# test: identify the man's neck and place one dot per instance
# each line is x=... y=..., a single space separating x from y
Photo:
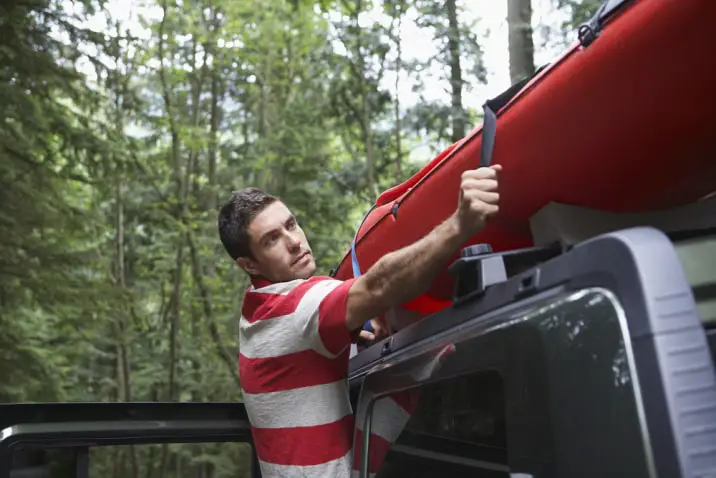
x=258 y=282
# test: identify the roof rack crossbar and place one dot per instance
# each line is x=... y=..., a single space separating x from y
x=478 y=268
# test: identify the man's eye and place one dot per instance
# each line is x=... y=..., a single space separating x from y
x=292 y=225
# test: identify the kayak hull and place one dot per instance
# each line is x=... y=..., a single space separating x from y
x=625 y=124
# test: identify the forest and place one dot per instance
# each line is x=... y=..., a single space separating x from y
x=127 y=124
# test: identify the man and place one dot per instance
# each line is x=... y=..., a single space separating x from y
x=296 y=328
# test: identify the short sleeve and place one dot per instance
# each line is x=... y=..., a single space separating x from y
x=321 y=314
x=332 y=328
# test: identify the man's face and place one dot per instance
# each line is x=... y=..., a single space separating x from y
x=279 y=246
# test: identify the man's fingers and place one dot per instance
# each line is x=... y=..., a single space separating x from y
x=378 y=329
x=488 y=197
x=498 y=169
x=490 y=210
x=480 y=173
x=474 y=196
x=481 y=184
x=491 y=172
x=365 y=335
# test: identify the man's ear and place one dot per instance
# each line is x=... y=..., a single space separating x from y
x=248 y=265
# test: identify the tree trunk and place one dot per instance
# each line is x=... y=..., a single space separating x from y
x=179 y=188
x=123 y=387
x=265 y=85
x=458 y=112
x=191 y=177
x=365 y=112
x=211 y=198
x=124 y=391
x=398 y=124
x=521 y=47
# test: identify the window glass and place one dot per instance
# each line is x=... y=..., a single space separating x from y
x=534 y=397
x=456 y=427
x=467 y=409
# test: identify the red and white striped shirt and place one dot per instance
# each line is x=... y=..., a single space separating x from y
x=293 y=363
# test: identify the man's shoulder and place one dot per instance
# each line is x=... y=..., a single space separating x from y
x=285 y=288
x=315 y=288
x=285 y=297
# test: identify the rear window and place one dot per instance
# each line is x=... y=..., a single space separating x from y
x=534 y=398
x=458 y=429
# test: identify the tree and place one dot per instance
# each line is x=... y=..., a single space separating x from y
x=458 y=52
x=521 y=47
x=118 y=146
x=50 y=155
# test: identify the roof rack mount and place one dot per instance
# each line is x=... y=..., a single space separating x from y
x=478 y=268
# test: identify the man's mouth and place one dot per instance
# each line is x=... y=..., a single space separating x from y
x=300 y=257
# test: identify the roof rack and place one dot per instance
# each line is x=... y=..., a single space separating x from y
x=479 y=268
x=556 y=228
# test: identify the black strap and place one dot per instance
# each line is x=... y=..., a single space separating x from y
x=489 y=131
x=592 y=28
x=489 y=122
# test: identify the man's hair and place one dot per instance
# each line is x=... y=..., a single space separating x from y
x=235 y=217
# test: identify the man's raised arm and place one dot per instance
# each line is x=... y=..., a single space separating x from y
x=403 y=275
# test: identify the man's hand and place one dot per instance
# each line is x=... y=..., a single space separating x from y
x=378 y=333
x=478 y=198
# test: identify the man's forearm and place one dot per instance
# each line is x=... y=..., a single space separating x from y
x=403 y=275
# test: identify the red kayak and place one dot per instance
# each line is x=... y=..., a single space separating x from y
x=624 y=121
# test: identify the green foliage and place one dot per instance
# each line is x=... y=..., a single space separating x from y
x=118 y=146
x=49 y=151
x=577 y=12
x=433 y=16
x=580 y=10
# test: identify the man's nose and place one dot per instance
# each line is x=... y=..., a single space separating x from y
x=293 y=241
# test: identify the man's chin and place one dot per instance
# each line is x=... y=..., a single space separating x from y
x=307 y=270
